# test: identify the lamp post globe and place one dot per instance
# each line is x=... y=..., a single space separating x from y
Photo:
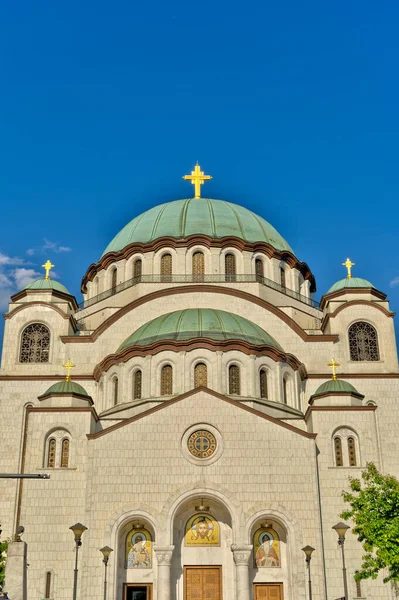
x=341 y=529
x=308 y=550
x=106 y=551
x=78 y=530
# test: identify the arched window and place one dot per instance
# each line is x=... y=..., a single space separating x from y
x=200 y=375
x=352 y=451
x=65 y=453
x=137 y=381
x=358 y=587
x=363 y=342
x=52 y=449
x=230 y=266
x=167 y=380
x=114 y=280
x=234 y=380
x=166 y=267
x=259 y=269
x=137 y=269
x=285 y=389
x=35 y=344
x=338 y=452
x=115 y=386
x=282 y=278
x=263 y=383
x=47 y=593
x=198 y=265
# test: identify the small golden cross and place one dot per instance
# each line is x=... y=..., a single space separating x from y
x=68 y=366
x=47 y=266
x=197 y=178
x=334 y=366
x=348 y=264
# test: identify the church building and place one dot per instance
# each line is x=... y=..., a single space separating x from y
x=199 y=414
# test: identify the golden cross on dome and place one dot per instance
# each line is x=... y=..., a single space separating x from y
x=333 y=364
x=197 y=178
x=47 y=266
x=68 y=366
x=348 y=264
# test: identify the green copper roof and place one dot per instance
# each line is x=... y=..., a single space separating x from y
x=199 y=323
x=336 y=386
x=46 y=284
x=181 y=218
x=353 y=282
x=66 y=387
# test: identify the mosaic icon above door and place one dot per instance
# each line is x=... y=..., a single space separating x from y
x=202 y=530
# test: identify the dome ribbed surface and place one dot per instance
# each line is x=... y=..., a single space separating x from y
x=336 y=386
x=181 y=218
x=192 y=323
x=46 y=284
x=353 y=282
x=66 y=387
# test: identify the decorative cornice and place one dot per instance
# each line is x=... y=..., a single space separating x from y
x=44 y=377
x=203 y=343
x=64 y=315
x=164 y=555
x=193 y=240
x=354 y=375
x=189 y=289
x=241 y=553
x=315 y=398
x=63 y=409
x=328 y=297
x=56 y=293
x=332 y=315
x=338 y=409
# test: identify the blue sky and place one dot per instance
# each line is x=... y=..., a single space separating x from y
x=292 y=107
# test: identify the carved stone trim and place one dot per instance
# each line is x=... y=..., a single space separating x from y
x=164 y=555
x=241 y=553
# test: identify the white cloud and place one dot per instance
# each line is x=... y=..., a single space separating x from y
x=394 y=282
x=30 y=252
x=48 y=246
x=24 y=276
x=8 y=260
x=13 y=277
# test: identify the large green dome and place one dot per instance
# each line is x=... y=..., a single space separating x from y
x=193 y=323
x=46 y=284
x=336 y=386
x=349 y=282
x=181 y=218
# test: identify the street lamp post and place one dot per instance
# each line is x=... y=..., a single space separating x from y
x=341 y=529
x=106 y=551
x=78 y=529
x=308 y=553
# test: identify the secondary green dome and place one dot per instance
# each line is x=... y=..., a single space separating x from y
x=181 y=218
x=336 y=386
x=66 y=387
x=192 y=323
x=353 y=282
x=46 y=284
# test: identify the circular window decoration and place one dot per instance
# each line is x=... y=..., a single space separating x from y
x=202 y=443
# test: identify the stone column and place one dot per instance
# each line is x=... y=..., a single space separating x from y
x=15 y=575
x=241 y=555
x=164 y=560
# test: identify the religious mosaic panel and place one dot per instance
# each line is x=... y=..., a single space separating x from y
x=266 y=548
x=202 y=530
x=138 y=549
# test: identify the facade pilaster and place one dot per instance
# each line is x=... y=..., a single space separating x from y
x=164 y=560
x=241 y=555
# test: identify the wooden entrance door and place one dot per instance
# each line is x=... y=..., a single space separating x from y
x=268 y=591
x=202 y=583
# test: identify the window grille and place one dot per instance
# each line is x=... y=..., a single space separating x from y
x=65 y=453
x=137 y=268
x=166 y=267
x=198 y=265
x=115 y=387
x=234 y=380
x=48 y=585
x=137 y=380
x=358 y=587
x=263 y=383
x=285 y=390
x=338 y=452
x=114 y=280
x=230 y=266
x=52 y=447
x=363 y=342
x=200 y=375
x=259 y=272
x=35 y=344
x=282 y=278
x=352 y=451
x=167 y=381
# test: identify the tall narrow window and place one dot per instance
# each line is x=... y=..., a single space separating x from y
x=65 y=453
x=166 y=267
x=52 y=448
x=137 y=269
x=114 y=280
x=352 y=452
x=167 y=381
x=115 y=386
x=358 y=587
x=282 y=278
x=259 y=269
x=198 y=266
x=35 y=344
x=137 y=379
x=234 y=380
x=285 y=390
x=230 y=266
x=338 y=452
x=200 y=375
x=48 y=585
x=363 y=342
x=263 y=383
